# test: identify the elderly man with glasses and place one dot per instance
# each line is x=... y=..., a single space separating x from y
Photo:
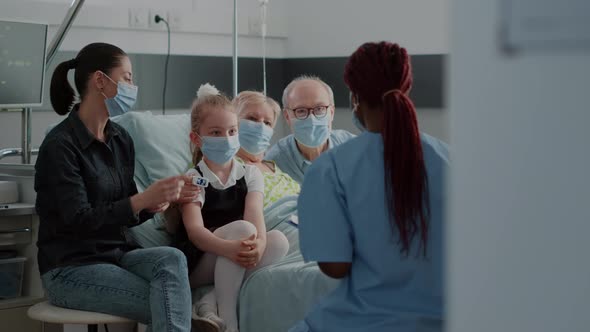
x=308 y=107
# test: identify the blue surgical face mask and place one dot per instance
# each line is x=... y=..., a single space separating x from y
x=312 y=132
x=220 y=150
x=255 y=136
x=355 y=120
x=123 y=101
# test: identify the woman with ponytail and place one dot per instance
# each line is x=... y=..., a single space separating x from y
x=371 y=211
x=86 y=199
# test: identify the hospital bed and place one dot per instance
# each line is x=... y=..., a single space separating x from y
x=273 y=298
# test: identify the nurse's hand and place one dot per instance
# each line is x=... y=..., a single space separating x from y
x=189 y=191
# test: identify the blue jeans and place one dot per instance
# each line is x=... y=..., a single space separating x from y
x=150 y=286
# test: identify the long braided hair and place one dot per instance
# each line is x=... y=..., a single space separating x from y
x=380 y=75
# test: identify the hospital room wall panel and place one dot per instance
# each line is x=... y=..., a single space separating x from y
x=186 y=73
x=428 y=71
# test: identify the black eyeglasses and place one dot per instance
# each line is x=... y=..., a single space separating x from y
x=302 y=113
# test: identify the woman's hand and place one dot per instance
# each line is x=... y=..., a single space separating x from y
x=256 y=247
x=159 y=208
x=160 y=192
x=189 y=192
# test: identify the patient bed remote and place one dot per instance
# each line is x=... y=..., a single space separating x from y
x=200 y=181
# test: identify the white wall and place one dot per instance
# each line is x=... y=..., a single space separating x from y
x=337 y=27
x=206 y=25
x=519 y=222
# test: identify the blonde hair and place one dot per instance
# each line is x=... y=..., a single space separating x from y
x=246 y=99
x=208 y=99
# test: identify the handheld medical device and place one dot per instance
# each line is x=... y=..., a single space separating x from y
x=200 y=181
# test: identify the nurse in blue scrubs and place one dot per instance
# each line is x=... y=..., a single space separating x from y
x=371 y=211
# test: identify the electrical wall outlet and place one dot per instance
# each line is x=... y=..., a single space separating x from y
x=138 y=18
x=175 y=19
x=152 y=19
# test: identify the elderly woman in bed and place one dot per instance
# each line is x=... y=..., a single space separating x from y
x=258 y=116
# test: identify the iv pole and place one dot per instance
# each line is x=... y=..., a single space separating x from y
x=235 y=52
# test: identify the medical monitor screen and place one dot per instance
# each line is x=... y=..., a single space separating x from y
x=22 y=64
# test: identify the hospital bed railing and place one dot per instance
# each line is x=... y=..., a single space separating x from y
x=13 y=152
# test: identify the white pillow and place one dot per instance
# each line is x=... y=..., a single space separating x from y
x=162 y=145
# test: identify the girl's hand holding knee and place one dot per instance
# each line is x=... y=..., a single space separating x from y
x=235 y=251
x=256 y=247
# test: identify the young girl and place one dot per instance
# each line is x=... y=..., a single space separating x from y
x=223 y=233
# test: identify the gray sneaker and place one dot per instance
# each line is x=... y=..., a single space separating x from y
x=206 y=314
x=202 y=324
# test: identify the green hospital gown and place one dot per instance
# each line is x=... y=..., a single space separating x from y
x=277 y=185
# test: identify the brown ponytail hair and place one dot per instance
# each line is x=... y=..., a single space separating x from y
x=93 y=57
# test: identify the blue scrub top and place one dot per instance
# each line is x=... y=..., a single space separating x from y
x=287 y=156
x=343 y=217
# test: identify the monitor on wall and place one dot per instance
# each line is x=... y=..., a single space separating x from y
x=22 y=64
